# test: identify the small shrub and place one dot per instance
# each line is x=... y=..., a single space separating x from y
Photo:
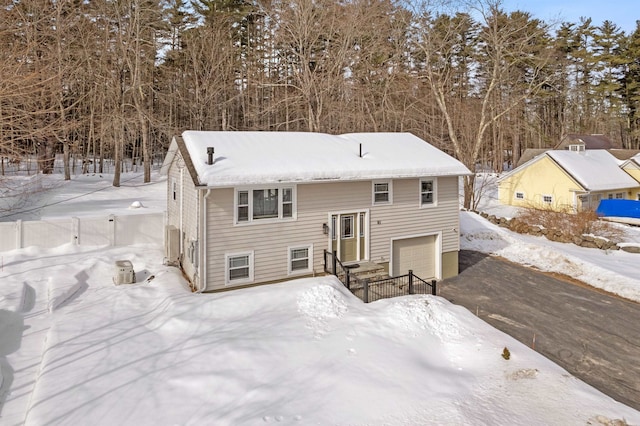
x=506 y=354
x=572 y=224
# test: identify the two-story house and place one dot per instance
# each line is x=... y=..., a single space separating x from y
x=248 y=208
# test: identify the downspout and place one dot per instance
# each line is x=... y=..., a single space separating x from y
x=196 y=261
x=203 y=240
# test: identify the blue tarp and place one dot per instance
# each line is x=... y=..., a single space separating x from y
x=619 y=208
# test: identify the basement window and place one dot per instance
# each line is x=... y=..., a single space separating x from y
x=519 y=195
x=239 y=268
x=300 y=259
x=547 y=199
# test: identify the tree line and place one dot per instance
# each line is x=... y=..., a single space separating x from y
x=116 y=79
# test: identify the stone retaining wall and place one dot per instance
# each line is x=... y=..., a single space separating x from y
x=558 y=235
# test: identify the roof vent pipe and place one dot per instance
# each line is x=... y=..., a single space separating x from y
x=360 y=150
x=210 y=151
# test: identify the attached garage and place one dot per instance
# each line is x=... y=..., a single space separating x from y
x=419 y=254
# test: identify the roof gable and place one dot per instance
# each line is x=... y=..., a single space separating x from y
x=529 y=154
x=178 y=148
x=625 y=154
x=522 y=166
x=632 y=163
x=595 y=141
x=595 y=170
x=249 y=158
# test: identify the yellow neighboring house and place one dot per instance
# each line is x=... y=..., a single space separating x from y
x=632 y=166
x=565 y=180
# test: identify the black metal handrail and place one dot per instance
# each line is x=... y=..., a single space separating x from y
x=340 y=271
x=370 y=290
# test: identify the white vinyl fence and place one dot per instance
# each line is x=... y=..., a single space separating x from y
x=106 y=230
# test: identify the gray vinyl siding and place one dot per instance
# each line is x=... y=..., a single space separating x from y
x=173 y=206
x=187 y=196
x=270 y=241
x=405 y=218
x=190 y=225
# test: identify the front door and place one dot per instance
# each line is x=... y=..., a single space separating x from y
x=348 y=236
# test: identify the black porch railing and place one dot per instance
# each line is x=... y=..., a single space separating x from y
x=333 y=266
x=372 y=290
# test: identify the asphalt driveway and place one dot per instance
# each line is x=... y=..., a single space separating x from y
x=594 y=336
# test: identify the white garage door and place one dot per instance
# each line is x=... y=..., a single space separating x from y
x=417 y=254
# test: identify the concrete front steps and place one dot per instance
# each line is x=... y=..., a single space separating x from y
x=368 y=271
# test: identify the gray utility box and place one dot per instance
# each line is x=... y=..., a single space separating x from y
x=124 y=273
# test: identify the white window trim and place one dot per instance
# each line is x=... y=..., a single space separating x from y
x=334 y=227
x=547 y=202
x=250 y=279
x=367 y=232
x=389 y=191
x=280 y=218
x=352 y=234
x=309 y=270
x=435 y=192
x=515 y=195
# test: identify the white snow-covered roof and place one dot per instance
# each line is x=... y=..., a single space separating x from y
x=245 y=158
x=594 y=169
x=633 y=162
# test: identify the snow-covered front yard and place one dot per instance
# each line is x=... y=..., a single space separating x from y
x=75 y=349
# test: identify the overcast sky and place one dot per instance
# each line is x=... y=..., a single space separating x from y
x=623 y=13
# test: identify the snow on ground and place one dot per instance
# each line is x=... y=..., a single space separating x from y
x=75 y=349
x=610 y=270
x=302 y=352
x=83 y=195
x=613 y=271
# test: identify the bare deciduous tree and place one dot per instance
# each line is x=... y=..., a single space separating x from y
x=471 y=106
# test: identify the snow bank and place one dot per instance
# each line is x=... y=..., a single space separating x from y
x=612 y=271
x=423 y=314
x=301 y=352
